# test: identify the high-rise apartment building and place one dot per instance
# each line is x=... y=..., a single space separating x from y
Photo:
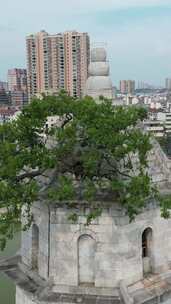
x=17 y=80
x=142 y=85
x=123 y=86
x=18 y=98
x=4 y=86
x=17 y=86
x=131 y=86
x=168 y=84
x=58 y=62
x=127 y=86
x=4 y=98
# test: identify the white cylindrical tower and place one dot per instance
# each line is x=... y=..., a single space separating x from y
x=99 y=82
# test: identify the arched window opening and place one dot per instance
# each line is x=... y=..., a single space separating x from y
x=146 y=242
x=35 y=247
x=86 y=256
x=147 y=250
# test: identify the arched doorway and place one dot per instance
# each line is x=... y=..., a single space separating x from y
x=147 y=250
x=86 y=257
x=35 y=247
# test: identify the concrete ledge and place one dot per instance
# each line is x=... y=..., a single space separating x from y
x=97 y=291
x=84 y=299
x=124 y=294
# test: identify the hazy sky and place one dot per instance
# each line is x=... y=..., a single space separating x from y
x=137 y=32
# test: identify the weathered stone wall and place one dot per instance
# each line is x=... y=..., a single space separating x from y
x=159 y=166
x=23 y=298
x=118 y=246
x=41 y=219
x=118 y=253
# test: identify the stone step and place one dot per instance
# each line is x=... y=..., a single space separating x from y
x=153 y=290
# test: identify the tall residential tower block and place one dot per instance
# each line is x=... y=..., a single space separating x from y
x=56 y=62
x=17 y=85
x=127 y=86
x=17 y=80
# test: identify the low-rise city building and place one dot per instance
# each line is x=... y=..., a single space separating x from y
x=159 y=124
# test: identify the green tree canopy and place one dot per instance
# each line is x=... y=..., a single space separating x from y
x=90 y=150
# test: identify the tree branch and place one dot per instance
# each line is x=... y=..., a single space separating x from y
x=116 y=168
x=69 y=117
x=31 y=174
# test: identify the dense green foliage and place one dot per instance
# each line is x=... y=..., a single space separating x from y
x=91 y=149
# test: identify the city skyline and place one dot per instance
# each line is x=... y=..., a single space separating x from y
x=136 y=34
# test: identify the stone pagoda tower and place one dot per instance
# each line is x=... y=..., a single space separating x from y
x=99 y=82
x=106 y=262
